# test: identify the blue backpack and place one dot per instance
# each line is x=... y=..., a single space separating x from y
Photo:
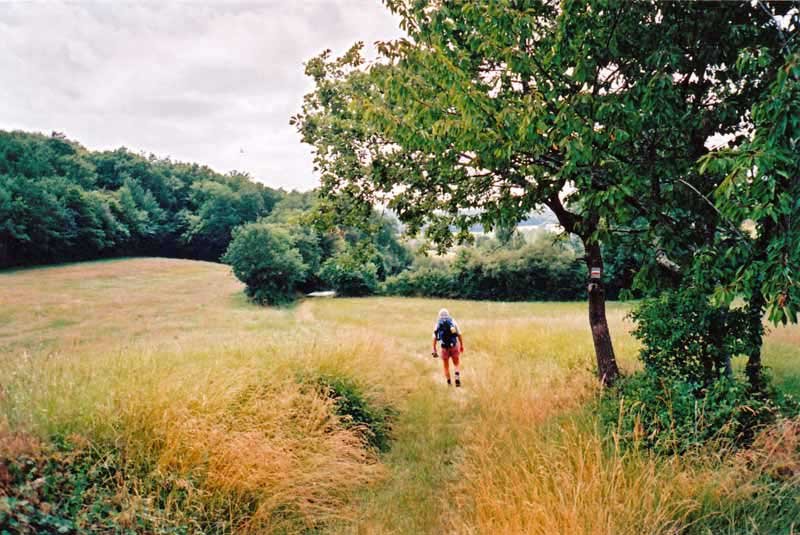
x=446 y=332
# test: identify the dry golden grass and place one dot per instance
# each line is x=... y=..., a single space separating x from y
x=165 y=360
x=119 y=304
x=199 y=391
x=525 y=456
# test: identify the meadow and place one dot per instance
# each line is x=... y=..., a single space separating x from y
x=186 y=409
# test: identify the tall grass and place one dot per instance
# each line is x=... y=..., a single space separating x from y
x=211 y=410
x=229 y=439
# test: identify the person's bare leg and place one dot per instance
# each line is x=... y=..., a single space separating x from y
x=457 y=366
x=446 y=363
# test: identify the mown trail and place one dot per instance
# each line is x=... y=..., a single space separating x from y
x=423 y=462
x=508 y=376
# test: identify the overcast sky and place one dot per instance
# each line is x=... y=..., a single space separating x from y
x=208 y=82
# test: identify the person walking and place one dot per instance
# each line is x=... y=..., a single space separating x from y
x=447 y=334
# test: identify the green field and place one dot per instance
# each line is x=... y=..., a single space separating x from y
x=201 y=410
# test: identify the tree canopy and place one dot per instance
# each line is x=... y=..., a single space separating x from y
x=598 y=110
x=62 y=202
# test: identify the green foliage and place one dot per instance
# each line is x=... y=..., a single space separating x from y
x=372 y=420
x=312 y=247
x=422 y=282
x=687 y=395
x=673 y=416
x=70 y=489
x=391 y=256
x=761 y=188
x=293 y=207
x=489 y=109
x=350 y=274
x=265 y=258
x=209 y=231
x=539 y=271
x=687 y=338
x=60 y=202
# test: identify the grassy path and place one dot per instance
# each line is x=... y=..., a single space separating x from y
x=426 y=435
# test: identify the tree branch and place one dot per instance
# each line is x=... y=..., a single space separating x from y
x=713 y=207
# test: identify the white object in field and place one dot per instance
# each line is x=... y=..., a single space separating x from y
x=328 y=293
x=595 y=273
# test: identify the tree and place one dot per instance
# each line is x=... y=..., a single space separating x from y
x=37 y=227
x=61 y=202
x=762 y=186
x=264 y=257
x=350 y=273
x=489 y=109
x=209 y=231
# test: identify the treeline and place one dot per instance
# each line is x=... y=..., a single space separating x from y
x=61 y=202
x=534 y=269
x=276 y=261
x=282 y=255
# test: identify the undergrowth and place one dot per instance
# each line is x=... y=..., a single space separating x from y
x=371 y=421
x=69 y=486
x=672 y=416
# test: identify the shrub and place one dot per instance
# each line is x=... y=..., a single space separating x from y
x=686 y=338
x=531 y=272
x=264 y=257
x=687 y=394
x=425 y=282
x=349 y=275
x=311 y=245
x=673 y=416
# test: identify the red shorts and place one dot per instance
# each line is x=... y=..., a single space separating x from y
x=451 y=353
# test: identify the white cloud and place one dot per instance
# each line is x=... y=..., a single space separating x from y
x=211 y=82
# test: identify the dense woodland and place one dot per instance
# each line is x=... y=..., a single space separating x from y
x=61 y=202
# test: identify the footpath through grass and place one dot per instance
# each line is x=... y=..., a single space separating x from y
x=149 y=396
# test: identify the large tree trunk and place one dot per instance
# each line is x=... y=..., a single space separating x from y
x=604 y=350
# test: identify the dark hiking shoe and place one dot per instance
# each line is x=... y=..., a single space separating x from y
x=458 y=382
x=449 y=383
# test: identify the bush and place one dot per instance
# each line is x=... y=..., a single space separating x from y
x=538 y=271
x=313 y=248
x=425 y=282
x=371 y=421
x=534 y=272
x=688 y=394
x=349 y=275
x=265 y=258
x=673 y=416
x=688 y=339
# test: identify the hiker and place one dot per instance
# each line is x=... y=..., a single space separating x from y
x=448 y=334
